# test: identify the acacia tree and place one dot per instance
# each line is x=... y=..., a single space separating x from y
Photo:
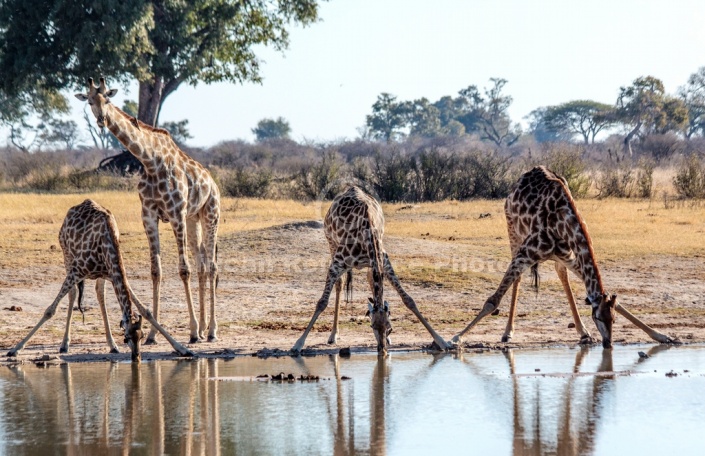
x=579 y=117
x=272 y=129
x=644 y=108
x=388 y=118
x=58 y=44
x=693 y=96
x=486 y=113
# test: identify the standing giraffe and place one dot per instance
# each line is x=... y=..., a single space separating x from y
x=544 y=224
x=174 y=188
x=90 y=241
x=354 y=226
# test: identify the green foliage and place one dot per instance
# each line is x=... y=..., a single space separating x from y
x=267 y=129
x=693 y=96
x=580 y=117
x=57 y=44
x=645 y=109
x=388 y=118
x=690 y=178
x=487 y=113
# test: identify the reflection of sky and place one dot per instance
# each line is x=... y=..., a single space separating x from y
x=411 y=403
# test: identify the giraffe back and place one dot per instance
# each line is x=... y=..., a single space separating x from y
x=350 y=217
x=89 y=239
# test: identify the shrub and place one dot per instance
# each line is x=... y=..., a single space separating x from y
x=391 y=175
x=566 y=160
x=484 y=175
x=319 y=180
x=690 y=178
x=435 y=175
x=246 y=183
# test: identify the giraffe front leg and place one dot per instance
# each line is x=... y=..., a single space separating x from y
x=411 y=304
x=509 y=330
x=526 y=256
x=585 y=337
x=70 y=281
x=100 y=294
x=334 y=332
x=210 y=230
x=178 y=224
x=180 y=349
x=334 y=272
x=193 y=230
x=64 y=347
x=151 y=228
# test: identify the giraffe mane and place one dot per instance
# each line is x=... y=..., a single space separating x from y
x=552 y=176
x=141 y=124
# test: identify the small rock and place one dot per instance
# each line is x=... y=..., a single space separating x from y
x=571 y=325
x=344 y=352
x=537 y=370
x=643 y=355
x=345 y=377
x=495 y=313
x=52 y=247
x=485 y=215
x=13 y=308
x=671 y=374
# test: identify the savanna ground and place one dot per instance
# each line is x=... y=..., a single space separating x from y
x=273 y=258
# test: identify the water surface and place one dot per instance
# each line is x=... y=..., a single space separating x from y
x=557 y=401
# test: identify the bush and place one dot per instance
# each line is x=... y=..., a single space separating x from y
x=435 y=175
x=391 y=175
x=248 y=184
x=690 y=178
x=566 y=160
x=485 y=175
x=319 y=180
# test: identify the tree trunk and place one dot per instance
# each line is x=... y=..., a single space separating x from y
x=150 y=100
x=628 y=139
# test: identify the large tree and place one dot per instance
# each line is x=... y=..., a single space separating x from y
x=388 y=119
x=645 y=109
x=693 y=96
x=487 y=113
x=266 y=129
x=57 y=44
x=580 y=117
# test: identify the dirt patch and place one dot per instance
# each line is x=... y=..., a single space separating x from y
x=272 y=278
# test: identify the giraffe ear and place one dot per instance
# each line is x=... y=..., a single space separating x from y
x=81 y=96
x=111 y=93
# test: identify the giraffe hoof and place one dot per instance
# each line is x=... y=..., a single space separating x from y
x=587 y=340
x=63 y=349
x=12 y=353
x=150 y=341
x=114 y=350
x=212 y=338
x=506 y=339
x=194 y=340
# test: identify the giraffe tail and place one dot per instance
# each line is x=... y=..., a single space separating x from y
x=217 y=276
x=535 y=278
x=80 y=285
x=348 y=286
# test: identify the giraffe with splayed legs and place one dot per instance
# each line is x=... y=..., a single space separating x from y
x=176 y=189
x=544 y=224
x=354 y=227
x=90 y=241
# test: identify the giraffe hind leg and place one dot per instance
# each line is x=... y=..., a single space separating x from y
x=64 y=347
x=338 y=289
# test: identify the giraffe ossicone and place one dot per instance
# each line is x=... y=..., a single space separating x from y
x=176 y=189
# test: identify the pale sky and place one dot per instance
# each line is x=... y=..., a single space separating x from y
x=549 y=51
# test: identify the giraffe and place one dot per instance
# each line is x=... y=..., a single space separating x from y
x=544 y=224
x=90 y=241
x=174 y=188
x=354 y=227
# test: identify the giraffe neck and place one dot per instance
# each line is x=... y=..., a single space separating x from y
x=586 y=264
x=136 y=139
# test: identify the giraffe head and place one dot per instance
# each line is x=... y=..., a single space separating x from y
x=381 y=324
x=133 y=337
x=98 y=98
x=603 y=315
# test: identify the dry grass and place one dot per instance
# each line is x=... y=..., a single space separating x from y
x=619 y=228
